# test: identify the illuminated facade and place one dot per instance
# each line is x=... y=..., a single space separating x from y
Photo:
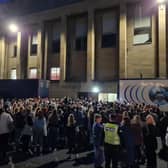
x=87 y=43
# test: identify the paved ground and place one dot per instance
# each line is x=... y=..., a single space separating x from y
x=59 y=159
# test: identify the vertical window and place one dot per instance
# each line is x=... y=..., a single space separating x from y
x=55 y=73
x=14 y=50
x=33 y=73
x=142 y=27
x=109 y=30
x=81 y=35
x=34 y=43
x=13 y=74
x=55 y=40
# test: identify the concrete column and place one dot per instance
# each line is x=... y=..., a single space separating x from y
x=2 y=57
x=45 y=55
x=40 y=51
x=63 y=50
x=91 y=47
x=18 y=61
x=123 y=41
x=162 y=40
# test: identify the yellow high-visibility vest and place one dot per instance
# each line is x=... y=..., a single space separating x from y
x=111 y=134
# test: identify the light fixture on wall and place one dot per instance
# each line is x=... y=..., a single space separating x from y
x=13 y=28
x=96 y=89
x=161 y=1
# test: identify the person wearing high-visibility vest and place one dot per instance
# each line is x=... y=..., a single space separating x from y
x=111 y=142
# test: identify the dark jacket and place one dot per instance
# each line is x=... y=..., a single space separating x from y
x=137 y=133
x=98 y=135
x=149 y=134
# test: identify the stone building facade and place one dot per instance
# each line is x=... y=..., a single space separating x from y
x=87 y=43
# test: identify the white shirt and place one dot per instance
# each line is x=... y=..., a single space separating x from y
x=5 y=119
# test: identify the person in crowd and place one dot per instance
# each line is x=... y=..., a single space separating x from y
x=53 y=130
x=6 y=123
x=111 y=142
x=27 y=133
x=150 y=141
x=98 y=138
x=19 y=122
x=136 y=127
x=39 y=131
x=127 y=142
x=163 y=124
x=71 y=135
x=166 y=138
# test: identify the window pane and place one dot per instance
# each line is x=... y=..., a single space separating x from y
x=13 y=74
x=56 y=46
x=34 y=44
x=34 y=39
x=33 y=73
x=55 y=73
x=14 y=50
x=109 y=40
x=109 y=30
x=142 y=26
x=109 y=23
x=81 y=43
x=33 y=49
x=81 y=28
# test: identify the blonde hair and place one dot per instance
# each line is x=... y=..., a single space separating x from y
x=125 y=115
x=71 y=120
x=150 y=120
x=136 y=120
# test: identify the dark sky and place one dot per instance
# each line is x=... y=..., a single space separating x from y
x=23 y=7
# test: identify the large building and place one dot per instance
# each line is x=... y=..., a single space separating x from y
x=82 y=44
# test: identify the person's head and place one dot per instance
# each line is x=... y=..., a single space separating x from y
x=150 y=120
x=136 y=120
x=40 y=114
x=98 y=118
x=71 y=120
x=112 y=117
x=125 y=114
x=126 y=121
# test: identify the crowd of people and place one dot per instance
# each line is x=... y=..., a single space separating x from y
x=122 y=134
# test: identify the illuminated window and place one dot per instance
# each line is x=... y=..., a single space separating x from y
x=142 y=27
x=13 y=74
x=81 y=35
x=109 y=30
x=34 y=44
x=33 y=73
x=55 y=73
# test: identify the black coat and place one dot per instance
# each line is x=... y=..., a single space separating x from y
x=149 y=134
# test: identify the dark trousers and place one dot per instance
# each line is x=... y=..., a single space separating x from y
x=151 y=158
x=26 y=142
x=137 y=153
x=52 y=137
x=3 y=145
x=111 y=155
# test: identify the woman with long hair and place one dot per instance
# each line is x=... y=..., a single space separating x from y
x=39 y=131
x=71 y=134
x=150 y=141
x=136 y=126
x=53 y=130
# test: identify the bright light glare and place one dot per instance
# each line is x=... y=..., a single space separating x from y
x=13 y=28
x=96 y=89
x=160 y=1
